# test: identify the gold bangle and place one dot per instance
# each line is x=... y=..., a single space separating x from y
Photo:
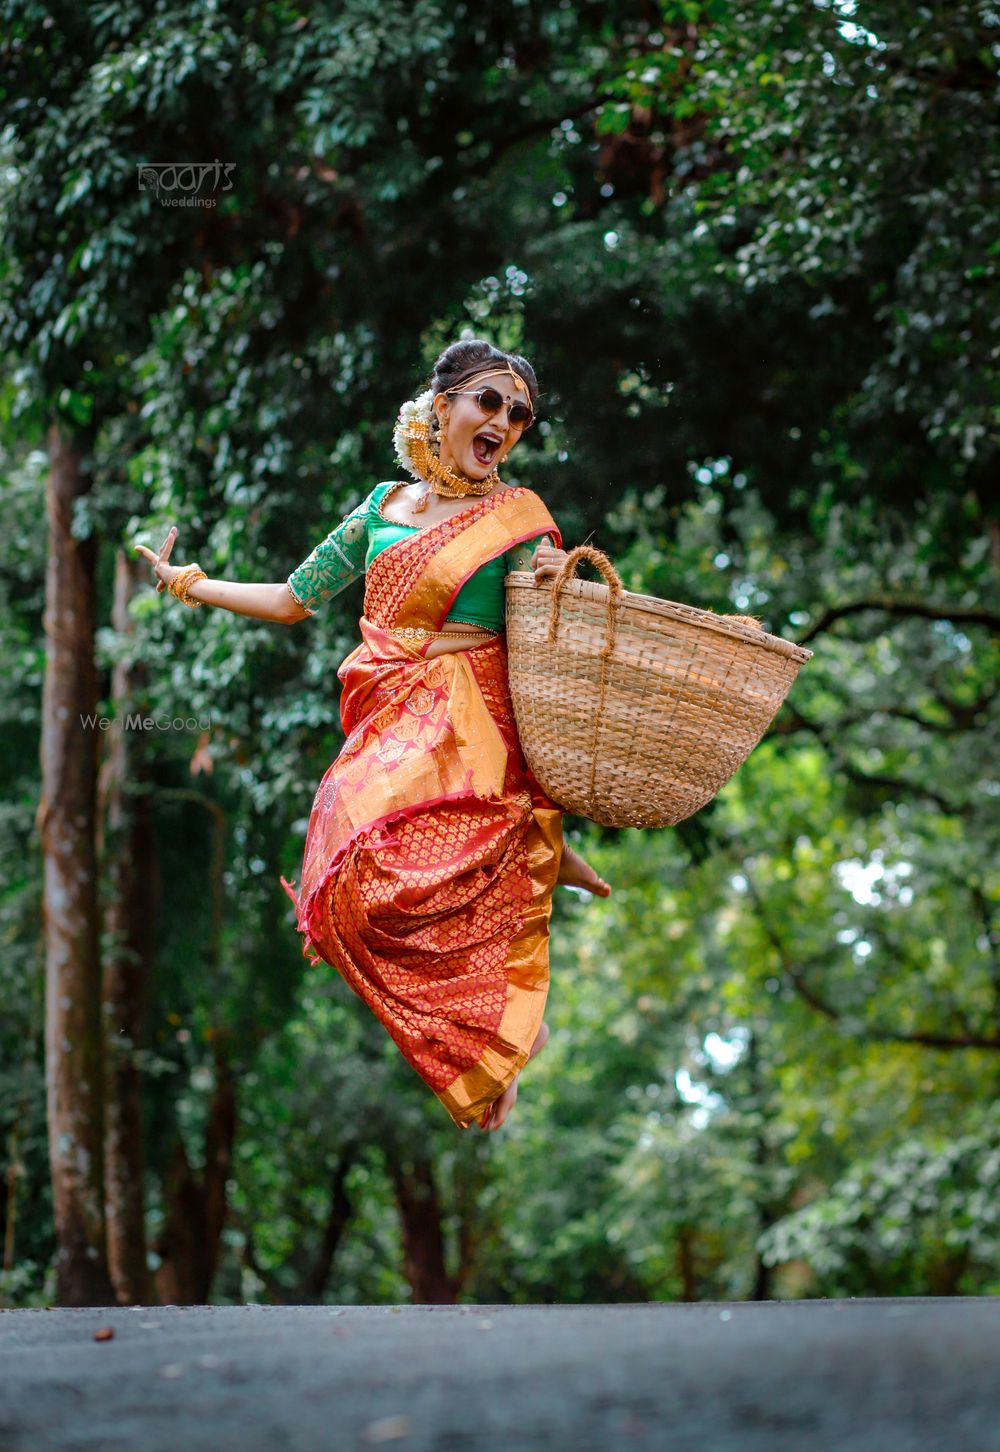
x=191 y=580
x=180 y=584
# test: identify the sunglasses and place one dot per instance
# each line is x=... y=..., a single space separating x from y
x=490 y=400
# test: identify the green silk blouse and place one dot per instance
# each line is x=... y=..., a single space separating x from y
x=352 y=544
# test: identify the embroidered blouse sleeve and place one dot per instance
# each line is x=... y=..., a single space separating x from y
x=519 y=558
x=334 y=563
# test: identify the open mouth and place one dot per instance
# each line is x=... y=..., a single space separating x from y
x=485 y=446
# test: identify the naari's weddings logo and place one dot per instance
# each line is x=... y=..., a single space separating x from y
x=187 y=178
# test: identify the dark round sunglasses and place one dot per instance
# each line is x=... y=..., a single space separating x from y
x=490 y=400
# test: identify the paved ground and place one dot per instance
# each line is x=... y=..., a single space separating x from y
x=793 y=1376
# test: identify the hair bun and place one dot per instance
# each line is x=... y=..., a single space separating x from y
x=462 y=359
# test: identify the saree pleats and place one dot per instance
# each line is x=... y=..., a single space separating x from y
x=432 y=852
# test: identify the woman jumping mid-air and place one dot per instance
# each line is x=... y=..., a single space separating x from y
x=432 y=852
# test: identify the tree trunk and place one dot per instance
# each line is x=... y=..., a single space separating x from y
x=473 y=1227
x=944 y=1276
x=341 y=1209
x=423 y=1238
x=129 y=856
x=311 y=1283
x=195 y=1206
x=766 y=1214
x=762 y=1273
x=686 y=1263
x=65 y=822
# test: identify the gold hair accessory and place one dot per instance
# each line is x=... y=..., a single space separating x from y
x=498 y=368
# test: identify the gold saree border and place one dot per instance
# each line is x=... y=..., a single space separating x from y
x=433 y=564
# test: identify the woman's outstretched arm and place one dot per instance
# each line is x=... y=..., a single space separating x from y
x=262 y=602
x=331 y=567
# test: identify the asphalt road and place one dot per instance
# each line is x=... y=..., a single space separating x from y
x=890 y=1376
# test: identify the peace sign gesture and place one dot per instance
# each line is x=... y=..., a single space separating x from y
x=163 y=571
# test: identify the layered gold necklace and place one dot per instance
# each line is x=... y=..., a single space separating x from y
x=442 y=480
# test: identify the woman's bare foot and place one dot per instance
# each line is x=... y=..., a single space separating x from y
x=574 y=872
x=497 y=1112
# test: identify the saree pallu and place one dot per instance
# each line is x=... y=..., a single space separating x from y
x=431 y=852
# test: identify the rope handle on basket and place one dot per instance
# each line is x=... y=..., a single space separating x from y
x=615 y=590
x=612 y=579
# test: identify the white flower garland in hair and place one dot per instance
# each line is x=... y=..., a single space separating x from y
x=414 y=422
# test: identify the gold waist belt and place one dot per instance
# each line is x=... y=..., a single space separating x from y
x=415 y=632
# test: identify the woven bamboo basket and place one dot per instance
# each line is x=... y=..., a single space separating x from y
x=635 y=711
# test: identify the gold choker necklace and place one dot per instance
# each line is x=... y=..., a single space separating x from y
x=442 y=480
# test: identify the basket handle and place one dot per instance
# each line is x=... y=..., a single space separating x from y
x=612 y=579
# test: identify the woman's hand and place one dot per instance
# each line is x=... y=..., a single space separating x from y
x=547 y=562
x=163 y=571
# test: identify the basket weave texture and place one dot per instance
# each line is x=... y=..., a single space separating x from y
x=635 y=711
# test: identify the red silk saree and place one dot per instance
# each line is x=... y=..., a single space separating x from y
x=431 y=852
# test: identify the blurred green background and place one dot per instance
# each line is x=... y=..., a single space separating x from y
x=751 y=252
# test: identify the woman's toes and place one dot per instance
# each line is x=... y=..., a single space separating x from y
x=575 y=872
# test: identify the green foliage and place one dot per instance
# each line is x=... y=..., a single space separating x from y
x=925 y=1217
x=841 y=134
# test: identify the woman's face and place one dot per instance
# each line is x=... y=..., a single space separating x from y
x=477 y=441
